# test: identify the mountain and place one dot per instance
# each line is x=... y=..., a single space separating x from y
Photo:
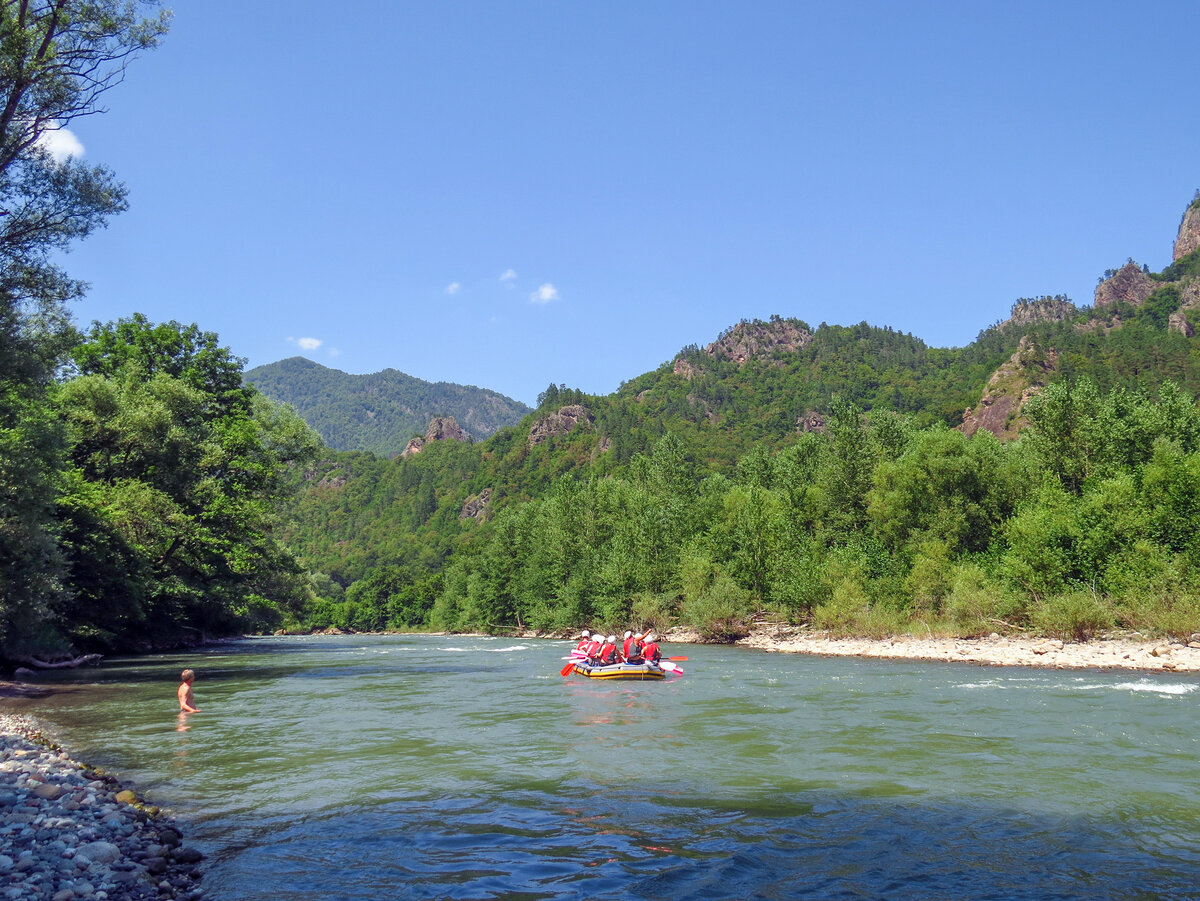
x=842 y=471
x=380 y=412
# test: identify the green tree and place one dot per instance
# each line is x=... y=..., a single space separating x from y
x=184 y=478
x=57 y=58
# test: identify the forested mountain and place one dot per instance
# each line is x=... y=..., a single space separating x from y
x=379 y=412
x=847 y=475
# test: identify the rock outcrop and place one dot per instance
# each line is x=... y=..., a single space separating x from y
x=476 y=506
x=441 y=428
x=561 y=422
x=1129 y=285
x=759 y=340
x=1028 y=311
x=999 y=409
x=1188 y=239
x=812 y=421
x=683 y=368
x=1179 y=323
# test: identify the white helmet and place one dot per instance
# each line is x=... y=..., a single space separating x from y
x=628 y=634
x=611 y=639
x=650 y=636
x=585 y=634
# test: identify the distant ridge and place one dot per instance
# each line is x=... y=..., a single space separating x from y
x=381 y=411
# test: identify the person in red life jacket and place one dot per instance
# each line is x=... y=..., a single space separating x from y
x=650 y=650
x=625 y=642
x=608 y=653
x=585 y=638
x=593 y=647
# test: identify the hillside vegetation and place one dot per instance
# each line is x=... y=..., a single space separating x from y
x=1045 y=477
x=815 y=475
x=379 y=412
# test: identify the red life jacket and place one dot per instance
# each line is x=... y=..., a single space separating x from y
x=625 y=646
x=593 y=648
x=583 y=643
x=608 y=654
x=651 y=652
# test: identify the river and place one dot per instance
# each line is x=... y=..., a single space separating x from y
x=466 y=767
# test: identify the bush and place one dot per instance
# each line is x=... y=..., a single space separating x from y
x=979 y=605
x=844 y=610
x=651 y=610
x=1073 y=616
x=720 y=611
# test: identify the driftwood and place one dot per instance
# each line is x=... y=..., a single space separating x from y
x=58 y=664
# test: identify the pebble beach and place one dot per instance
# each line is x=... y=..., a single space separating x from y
x=1106 y=653
x=69 y=831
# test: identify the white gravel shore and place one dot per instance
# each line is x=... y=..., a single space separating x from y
x=1101 y=653
x=68 y=831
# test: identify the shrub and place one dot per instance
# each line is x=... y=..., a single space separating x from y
x=651 y=610
x=978 y=604
x=1073 y=616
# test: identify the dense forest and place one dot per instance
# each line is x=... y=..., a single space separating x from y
x=848 y=477
x=382 y=411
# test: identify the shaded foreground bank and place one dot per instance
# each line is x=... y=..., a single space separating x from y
x=72 y=832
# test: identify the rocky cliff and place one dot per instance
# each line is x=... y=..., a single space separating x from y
x=1188 y=239
x=758 y=340
x=1027 y=311
x=999 y=409
x=560 y=422
x=1129 y=285
x=441 y=428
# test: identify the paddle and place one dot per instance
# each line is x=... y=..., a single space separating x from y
x=674 y=658
x=566 y=670
x=670 y=667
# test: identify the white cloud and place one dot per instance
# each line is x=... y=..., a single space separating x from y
x=508 y=275
x=61 y=144
x=544 y=294
x=453 y=288
x=309 y=343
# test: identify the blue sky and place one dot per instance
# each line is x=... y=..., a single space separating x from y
x=513 y=194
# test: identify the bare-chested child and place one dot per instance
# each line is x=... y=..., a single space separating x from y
x=187 y=701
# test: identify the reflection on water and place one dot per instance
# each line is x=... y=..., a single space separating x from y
x=433 y=767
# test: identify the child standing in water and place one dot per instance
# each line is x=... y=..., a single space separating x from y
x=187 y=701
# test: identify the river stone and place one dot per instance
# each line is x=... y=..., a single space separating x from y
x=6 y=863
x=126 y=796
x=187 y=855
x=48 y=791
x=65 y=895
x=98 y=852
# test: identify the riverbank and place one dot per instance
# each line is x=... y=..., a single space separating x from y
x=1108 y=652
x=72 y=832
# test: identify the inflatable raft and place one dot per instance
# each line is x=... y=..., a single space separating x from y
x=621 y=671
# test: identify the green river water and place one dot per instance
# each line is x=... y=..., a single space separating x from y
x=466 y=767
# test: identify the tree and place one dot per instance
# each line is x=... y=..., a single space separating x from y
x=57 y=58
x=183 y=479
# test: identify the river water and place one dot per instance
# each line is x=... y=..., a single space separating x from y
x=461 y=767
